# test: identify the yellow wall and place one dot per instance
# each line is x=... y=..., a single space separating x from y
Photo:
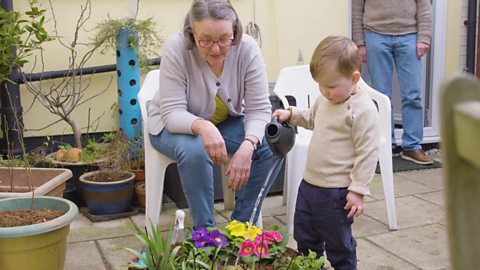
x=453 y=33
x=286 y=26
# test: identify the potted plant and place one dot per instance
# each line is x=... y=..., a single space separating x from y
x=132 y=40
x=40 y=244
x=158 y=252
x=142 y=37
x=109 y=190
x=238 y=246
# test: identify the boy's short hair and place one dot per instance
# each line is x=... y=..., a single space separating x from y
x=338 y=50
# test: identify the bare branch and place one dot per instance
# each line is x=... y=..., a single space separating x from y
x=64 y=95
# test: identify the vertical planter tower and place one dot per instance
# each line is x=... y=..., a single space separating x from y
x=128 y=82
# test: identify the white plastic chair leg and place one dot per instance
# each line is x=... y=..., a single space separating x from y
x=295 y=167
x=385 y=154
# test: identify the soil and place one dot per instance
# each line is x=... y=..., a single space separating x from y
x=27 y=217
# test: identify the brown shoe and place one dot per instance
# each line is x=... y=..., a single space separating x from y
x=418 y=156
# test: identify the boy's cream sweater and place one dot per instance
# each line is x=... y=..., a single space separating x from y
x=343 y=149
x=391 y=17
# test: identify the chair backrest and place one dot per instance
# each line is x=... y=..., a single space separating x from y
x=148 y=90
x=384 y=112
x=297 y=82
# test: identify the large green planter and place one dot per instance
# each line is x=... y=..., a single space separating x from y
x=40 y=246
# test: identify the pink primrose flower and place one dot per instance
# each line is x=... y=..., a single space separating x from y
x=277 y=237
x=261 y=250
x=247 y=248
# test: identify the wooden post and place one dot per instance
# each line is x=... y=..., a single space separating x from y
x=460 y=116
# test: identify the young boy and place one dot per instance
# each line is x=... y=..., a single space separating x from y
x=342 y=155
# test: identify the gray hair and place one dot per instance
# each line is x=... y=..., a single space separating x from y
x=211 y=9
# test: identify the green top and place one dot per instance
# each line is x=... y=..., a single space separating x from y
x=221 y=111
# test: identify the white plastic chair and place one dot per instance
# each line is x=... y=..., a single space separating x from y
x=297 y=82
x=156 y=163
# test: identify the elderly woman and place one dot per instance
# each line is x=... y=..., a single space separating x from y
x=213 y=101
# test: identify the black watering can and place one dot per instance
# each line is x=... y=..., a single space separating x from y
x=280 y=137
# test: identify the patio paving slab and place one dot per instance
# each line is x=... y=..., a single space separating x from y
x=372 y=257
x=84 y=255
x=411 y=212
x=425 y=247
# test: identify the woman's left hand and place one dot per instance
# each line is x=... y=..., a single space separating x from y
x=238 y=170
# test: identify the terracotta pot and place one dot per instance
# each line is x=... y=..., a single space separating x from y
x=140 y=193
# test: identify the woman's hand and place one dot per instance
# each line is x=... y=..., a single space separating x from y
x=355 y=204
x=238 y=170
x=212 y=140
x=283 y=115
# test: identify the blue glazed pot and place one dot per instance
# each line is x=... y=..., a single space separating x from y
x=107 y=198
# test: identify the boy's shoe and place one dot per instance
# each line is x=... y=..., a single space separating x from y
x=418 y=156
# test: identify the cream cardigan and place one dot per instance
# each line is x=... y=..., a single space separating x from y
x=188 y=88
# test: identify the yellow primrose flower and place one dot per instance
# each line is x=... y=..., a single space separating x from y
x=236 y=228
x=252 y=231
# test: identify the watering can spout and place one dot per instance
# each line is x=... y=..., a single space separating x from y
x=280 y=137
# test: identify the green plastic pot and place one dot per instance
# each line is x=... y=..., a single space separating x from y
x=40 y=246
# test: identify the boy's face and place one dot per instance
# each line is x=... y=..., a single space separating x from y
x=336 y=87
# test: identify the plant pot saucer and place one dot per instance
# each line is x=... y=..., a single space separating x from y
x=98 y=218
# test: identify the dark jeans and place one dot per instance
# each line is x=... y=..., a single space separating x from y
x=321 y=223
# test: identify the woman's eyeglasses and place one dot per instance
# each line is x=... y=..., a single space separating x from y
x=224 y=42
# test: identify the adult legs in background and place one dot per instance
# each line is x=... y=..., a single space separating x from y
x=385 y=51
x=380 y=61
x=321 y=223
x=409 y=70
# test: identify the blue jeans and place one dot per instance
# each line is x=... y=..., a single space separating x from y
x=385 y=51
x=321 y=223
x=196 y=171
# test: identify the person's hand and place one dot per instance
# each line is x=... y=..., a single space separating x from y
x=283 y=115
x=355 y=204
x=212 y=140
x=362 y=50
x=422 y=49
x=238 y=170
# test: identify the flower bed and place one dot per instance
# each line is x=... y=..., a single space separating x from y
x=238 y=246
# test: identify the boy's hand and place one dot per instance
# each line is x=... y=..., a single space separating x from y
x=283 y=115
x=355 y=204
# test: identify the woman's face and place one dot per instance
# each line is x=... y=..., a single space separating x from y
x=213 y=39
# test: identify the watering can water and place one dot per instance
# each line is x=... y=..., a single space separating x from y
x=280 y=138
